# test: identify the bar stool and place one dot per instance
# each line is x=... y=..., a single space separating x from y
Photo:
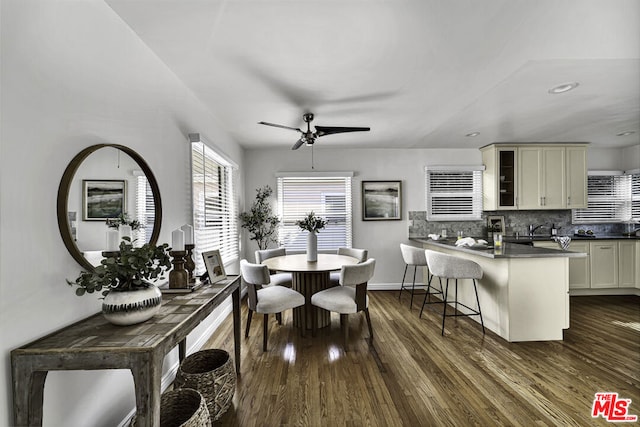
x=415 y=257
x=451 y=267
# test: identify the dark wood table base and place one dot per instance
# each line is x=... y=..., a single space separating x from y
x=308 y=283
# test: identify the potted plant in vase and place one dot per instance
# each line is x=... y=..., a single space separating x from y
x=124 y=279
x=313 y=224
x=260 y=221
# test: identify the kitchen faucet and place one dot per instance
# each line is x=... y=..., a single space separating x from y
x=532 y=229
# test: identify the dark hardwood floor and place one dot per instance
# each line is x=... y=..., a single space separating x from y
x=412 y=376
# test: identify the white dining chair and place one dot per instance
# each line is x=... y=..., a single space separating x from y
x=360 y=254
x=278 y=279
x=350 y=297
x=267 y=299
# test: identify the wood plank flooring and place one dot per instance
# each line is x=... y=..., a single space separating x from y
x=412 y=376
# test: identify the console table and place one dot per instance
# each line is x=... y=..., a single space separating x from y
x=93 y=344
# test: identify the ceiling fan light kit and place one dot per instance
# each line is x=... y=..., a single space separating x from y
x=308 y=137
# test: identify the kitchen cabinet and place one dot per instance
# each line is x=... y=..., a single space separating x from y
x=627 y=264
x=541 y=177
x=604 y=264
x=534 y=176
x=500 y=177
x=577 y=195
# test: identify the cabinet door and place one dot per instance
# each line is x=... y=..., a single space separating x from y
x=604 y=264
x=529 y=177
x=553 y=178
x=576 y=177
x=627 y=262
x=579 y=277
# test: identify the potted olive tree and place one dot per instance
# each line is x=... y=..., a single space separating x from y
x=260 y=221
x=124 y=279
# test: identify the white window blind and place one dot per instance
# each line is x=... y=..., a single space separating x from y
x=635 y=197
x=215 y=209
x=145 y=209
x=328 y=197
x=453 y=193
x=609 y=200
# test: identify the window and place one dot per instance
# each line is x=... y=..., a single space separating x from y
x=611 y=198
x=328 y=196
x=215 y=212
x=145 y=208
x=453 y=193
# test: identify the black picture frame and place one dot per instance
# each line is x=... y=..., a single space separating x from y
x=381 y=200
x=103 y=199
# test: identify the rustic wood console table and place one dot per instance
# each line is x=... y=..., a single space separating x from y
x=93 y=344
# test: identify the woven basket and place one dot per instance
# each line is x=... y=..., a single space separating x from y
x=183 y=407
x=210 y=372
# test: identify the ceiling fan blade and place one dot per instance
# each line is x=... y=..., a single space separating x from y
x=297 y=144
x=328 y=130
x=279 y=126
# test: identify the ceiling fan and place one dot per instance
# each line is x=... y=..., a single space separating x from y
x=309 y=137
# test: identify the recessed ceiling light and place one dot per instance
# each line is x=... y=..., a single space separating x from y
x=627 y=133
x=472 y=134
x=565 y=87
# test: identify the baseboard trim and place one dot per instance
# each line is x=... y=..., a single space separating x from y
x=604 y=292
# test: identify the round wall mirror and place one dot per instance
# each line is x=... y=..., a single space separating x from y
x=101 y=182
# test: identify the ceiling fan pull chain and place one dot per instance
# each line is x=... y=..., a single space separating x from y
x=312 y=157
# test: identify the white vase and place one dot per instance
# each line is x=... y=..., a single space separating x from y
x=131 y=307
x=312 y=247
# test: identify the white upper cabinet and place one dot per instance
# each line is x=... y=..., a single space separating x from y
x=534 y=176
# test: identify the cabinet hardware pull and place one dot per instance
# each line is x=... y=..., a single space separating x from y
x=606 y=247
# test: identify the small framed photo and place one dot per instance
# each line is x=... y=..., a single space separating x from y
x=215 y=268
x=495 y=224
x=381 y=200
x=103 y=199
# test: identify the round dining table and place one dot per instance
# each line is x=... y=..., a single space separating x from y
x=309 y=278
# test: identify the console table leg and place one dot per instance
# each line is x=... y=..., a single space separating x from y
x=28 y=392
x=147 y=378
x=235 y=296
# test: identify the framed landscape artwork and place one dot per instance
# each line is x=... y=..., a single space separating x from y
x=103 y=199
x=381 y=200
x=215 y=268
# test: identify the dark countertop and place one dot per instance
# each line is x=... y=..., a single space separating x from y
x=510 y=250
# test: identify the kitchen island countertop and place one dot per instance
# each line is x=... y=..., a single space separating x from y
x=509 y=250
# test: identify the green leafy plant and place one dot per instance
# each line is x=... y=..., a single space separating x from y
x=260 y=221
x=131 y=269
x=123 y=219
x=312 y=223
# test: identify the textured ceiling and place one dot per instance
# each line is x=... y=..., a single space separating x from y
x=421 y=74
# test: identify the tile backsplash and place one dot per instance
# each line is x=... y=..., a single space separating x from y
x=516 y=222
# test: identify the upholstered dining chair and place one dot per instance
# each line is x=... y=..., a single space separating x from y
x=360 y=254
x=279 y=279
x=350 y=297
x=267 y=299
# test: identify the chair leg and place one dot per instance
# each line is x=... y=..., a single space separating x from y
x=455 y=304
x=344 y=324
x=279 y=318
x=413 y=286
x=265 y=332
x=426 y=295
x=249 y=315
x=402 y=284
x=366 y=313
x=478 y=302
x=303 y=331
x=444 y=311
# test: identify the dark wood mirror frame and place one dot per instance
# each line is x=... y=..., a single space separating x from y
x=63 y=198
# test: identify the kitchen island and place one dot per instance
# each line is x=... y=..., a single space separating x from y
x=524 y=292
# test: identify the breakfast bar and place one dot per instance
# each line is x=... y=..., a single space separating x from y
x=524 y=291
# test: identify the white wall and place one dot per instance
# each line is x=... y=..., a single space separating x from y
x=73 y=74
x=631 y=157
x=381 y=238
